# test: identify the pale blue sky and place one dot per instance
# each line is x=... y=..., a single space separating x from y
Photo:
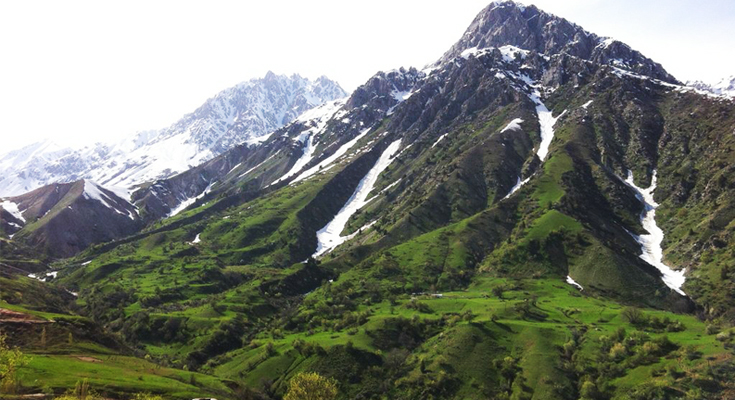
x=81 y=71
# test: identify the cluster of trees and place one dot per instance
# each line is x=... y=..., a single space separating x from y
x=107 y=304
x=639 y=319
x=618 y=352
x=228 y=336
x=140 y=326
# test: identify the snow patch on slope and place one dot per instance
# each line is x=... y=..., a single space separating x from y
x=573 y=283
x=651 y=243
x=92 y=191
x=187 y=202
x=547 y=121
x=12 y=208
x=330 y=237
x=508 y=52
x=514 y=125
x=511 y=52
x=306 y=156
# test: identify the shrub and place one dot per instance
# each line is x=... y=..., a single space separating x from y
x=11 y=359
x=632 y=315
x=311 y=386
x=618 y=351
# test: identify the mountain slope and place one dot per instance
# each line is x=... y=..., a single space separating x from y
x=241 y=114
x=501 y=225
x=59 y=220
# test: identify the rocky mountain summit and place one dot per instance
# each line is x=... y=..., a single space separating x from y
x=505 y=23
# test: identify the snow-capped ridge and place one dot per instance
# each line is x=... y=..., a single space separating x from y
x=93 y=191
x=725 y=87
x=245 y=113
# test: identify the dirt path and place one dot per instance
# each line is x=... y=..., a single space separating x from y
x=89 y=359
x=14 y=317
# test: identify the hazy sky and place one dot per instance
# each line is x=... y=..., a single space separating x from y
x=89 y=71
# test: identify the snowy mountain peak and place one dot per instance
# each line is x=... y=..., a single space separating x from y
x=725 y=87
x=244 y=113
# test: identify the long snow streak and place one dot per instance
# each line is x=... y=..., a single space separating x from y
x=329 y=160
x=329 y=237
x=187 y=202
x=547 y=121
x=514 y=125
x=317 y=117
x=517 y=186
x=306 y=156
x=651 y=243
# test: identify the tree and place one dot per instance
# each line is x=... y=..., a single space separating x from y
x=589 y=390
x=10 y=361
x=311 y=386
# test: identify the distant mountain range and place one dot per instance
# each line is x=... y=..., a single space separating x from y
x=725 y=87
x=245 y=113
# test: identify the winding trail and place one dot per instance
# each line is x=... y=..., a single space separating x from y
x=651 y=243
